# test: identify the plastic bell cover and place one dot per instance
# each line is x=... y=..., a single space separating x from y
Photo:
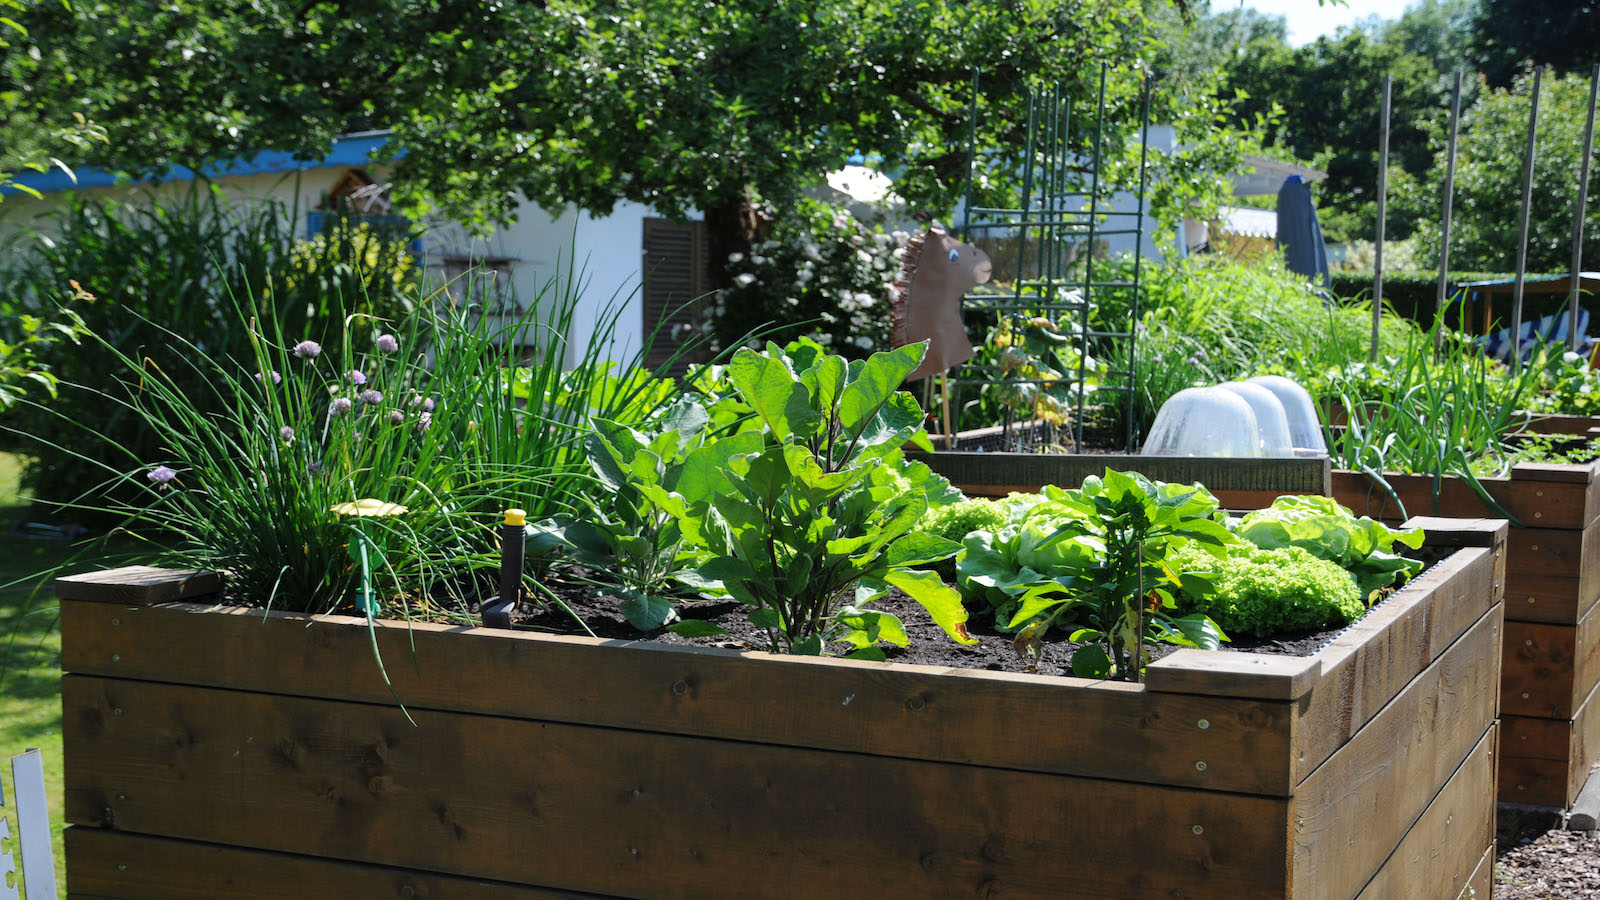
x=1204 y=422
x=1305 y=428
x=1272 y=423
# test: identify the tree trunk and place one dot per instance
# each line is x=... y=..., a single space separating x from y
x=732 y=226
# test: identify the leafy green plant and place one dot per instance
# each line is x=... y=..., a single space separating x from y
x=1106 y=567
x=1364 y=547
x=1266 y=592
x=828 y=504
x=1445 y=414
x=23 y=338
x=955 y=521
x=631 y=536
x=1035 y=361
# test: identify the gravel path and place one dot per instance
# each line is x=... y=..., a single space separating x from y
x=1540 y=860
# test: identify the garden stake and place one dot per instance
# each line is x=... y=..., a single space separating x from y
x=1522 y=228
x=1383 y=197
x=1444 y=226
x=513 y=543
x=1577 y=217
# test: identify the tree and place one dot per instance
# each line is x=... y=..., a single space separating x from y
x=1331 y=92
x=1488 y=188
x=681 y=104
x=1509 y=34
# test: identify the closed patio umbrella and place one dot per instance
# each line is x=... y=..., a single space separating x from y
x=1299 y=232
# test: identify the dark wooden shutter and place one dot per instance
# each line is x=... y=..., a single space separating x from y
x=674 y=275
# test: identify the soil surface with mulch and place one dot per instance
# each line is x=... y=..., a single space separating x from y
x=929 y=646
x=1538 y=859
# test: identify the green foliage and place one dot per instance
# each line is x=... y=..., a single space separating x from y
x=1506 y=33
x=1363 y=547
x=194 y=266
x=1209 y=320
x=631 y=536
x=828 y=503
x=1567 y=385
x=1105 y=566
x=1265 y=592
x=820 y=272
x=24 y=338
x=1488 y=186
x=451 y=419
x=955 y=521
x=1445 y=414
x=1035 y=361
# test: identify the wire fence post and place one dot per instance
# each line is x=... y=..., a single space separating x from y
x=1444 y=225
x=1383 y=198
x=1522 y=227
x=1579 y=208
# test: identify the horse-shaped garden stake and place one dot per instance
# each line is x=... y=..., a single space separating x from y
x=936 y=271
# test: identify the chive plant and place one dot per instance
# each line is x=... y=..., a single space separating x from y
x=452 y=414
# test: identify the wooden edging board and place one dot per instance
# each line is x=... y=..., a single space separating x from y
x=645 y=771
x=1238 y=483
x=1552 y=642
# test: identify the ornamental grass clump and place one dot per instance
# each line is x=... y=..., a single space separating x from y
x=453 y=418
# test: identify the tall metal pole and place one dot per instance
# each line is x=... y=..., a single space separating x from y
x=1088 y=264
x=1383 y=202
x=1577 y=215
x=1444 y=226
x=1138 y=262
x=1522 y=227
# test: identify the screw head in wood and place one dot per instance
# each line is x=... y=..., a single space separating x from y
x=1198 y=830
x=122 y=867
x=116 y=657
x=1524 y=695
x=1203 y=724
x=1200 y=766
x=916 y=704
x=115 y=622
x=680 y=687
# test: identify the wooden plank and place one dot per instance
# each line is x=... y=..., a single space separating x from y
x=103 y=863
x=1547 y=598
x=1572 y=474
x=1030 y=471
x=1353 y=811
x=1533 y=782
x=1534 y=738
x=138 y=585
x=1551 y=669
x=1585 y=746
x=1251 y=675
x=1539 y=668
x=1551 y=551
x=1439 y=856
x=1563 y=503
x=1460 y=532
x=1481 y=885
x=1074 y=726
x=1555 y=423
x=1372 y=661
x=628 y=813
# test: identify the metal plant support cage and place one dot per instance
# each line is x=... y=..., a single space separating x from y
x=1063 y=216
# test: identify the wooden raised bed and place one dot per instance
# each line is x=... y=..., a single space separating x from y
x=219 y=751
x=1237 y=483
x=1551 y=713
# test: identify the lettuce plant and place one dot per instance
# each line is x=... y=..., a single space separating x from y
x=1107 y=566
x=1267 y=592
x=816 y=524
x=1363 y=547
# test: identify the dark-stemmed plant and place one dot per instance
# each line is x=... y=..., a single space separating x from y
x=818 y=523
x=1121 y=585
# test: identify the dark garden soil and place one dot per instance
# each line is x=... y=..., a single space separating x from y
x=929 y=646
x=1538 y=859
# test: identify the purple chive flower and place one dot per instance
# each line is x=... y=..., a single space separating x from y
x=1193 y=361
x=371 y=396
x=307 y=349
x=276 y=378
x=357 y=376
x=1200 y=352
x=388 y=343
x=313 y=467
x=396 y=417
x=424 y=421
x=161 y=475
x=1139 y=327
x=427 y=405
x=339 y=406
x=287 y=434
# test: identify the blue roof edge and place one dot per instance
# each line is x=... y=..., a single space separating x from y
x=348 y=150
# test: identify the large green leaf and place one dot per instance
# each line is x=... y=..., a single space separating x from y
x=879 y=377
x=942 y=602
x=773 y=391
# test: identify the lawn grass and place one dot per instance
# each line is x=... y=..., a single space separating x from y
x=30 y=645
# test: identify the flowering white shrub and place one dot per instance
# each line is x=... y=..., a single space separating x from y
x=822 y=272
